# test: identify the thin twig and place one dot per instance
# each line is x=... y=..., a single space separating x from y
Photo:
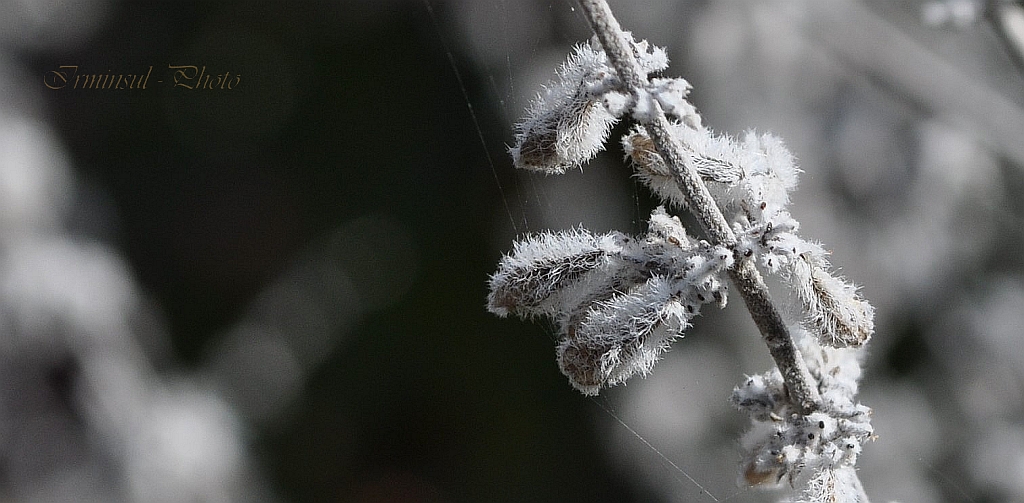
x=801 y=387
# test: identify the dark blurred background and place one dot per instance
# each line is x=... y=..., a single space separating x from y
x=276 y=292
x=308 y=250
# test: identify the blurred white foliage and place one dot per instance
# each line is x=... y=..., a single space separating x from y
x=955 y=13
x=186 y=446
x=84 y=416
x=82 y=395
x=92 y=409
x=35 y=182
x=71 y=308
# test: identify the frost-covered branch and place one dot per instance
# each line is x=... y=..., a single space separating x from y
x=619 y=301
x=699 y=201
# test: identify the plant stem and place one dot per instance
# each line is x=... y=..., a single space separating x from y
x=802 y=389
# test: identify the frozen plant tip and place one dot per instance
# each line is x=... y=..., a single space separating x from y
x=817 y=452
x=619 y=301
x=568 y=123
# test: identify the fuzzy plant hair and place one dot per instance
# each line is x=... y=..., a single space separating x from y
x=619 y=301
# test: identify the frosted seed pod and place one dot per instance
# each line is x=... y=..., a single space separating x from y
x=530 y=280
x=568 y=123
